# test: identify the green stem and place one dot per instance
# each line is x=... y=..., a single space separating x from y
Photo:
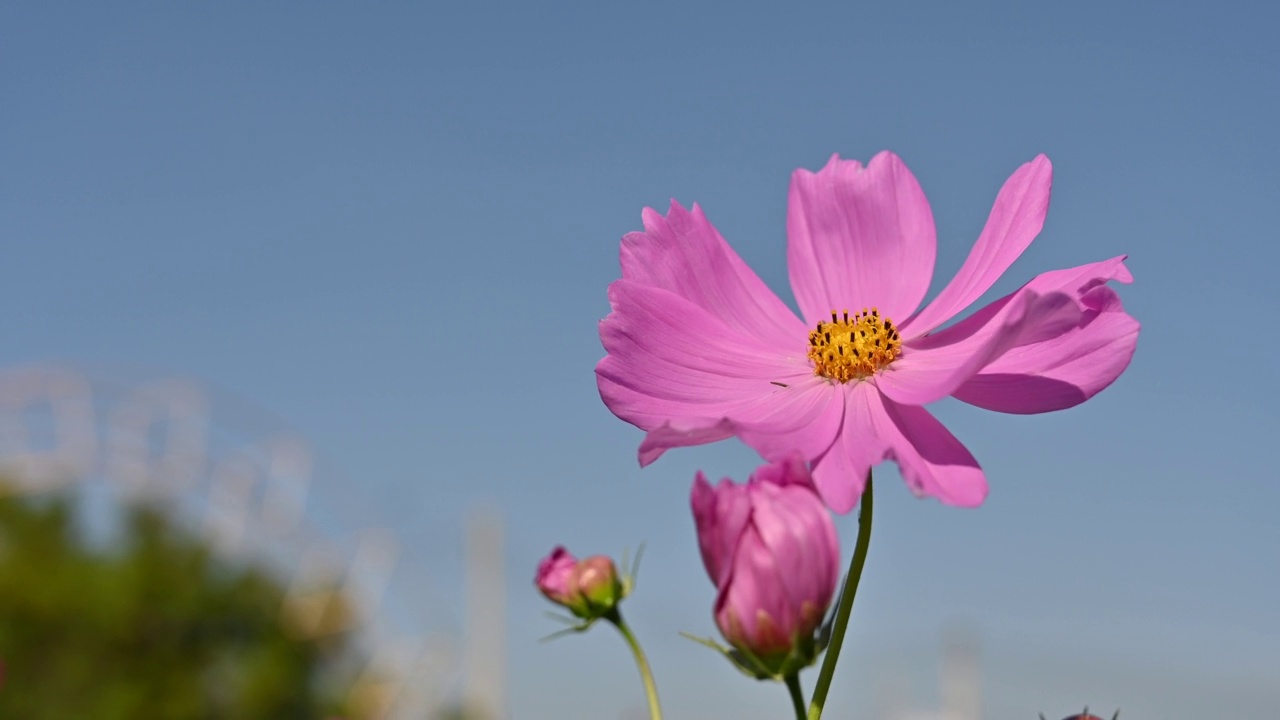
x=646 y=675
x=846 y=604
x=797 y=695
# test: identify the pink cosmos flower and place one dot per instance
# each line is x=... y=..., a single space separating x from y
x=771 y=549
x=700 y=350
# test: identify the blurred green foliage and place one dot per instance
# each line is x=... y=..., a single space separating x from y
x=152 y=627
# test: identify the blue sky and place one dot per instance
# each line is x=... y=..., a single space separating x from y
x=393 y=227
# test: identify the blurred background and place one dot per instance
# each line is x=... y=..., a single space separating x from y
x=300 y=307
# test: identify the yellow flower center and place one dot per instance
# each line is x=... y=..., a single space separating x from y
x=853 y=348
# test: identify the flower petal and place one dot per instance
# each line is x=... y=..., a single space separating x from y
x=754 y=585
x=859 y=238
x=935 y=366
x=932 y=461
x=788 y=469
x=1067 y=369
x=683 y=432
x=840 y=473
x=794 y=524
x=804 y=418
x=685 y=254
x=875 y=429
x=669 y=358
x=720 y=514
x=1016 y=218
x=552 y=577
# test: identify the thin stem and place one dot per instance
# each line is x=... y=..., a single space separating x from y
x=646 y=675
x=846 y=604
x=797 y=695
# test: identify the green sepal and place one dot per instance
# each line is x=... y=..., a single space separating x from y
x=803 y=654
x=629 y=569
x=576 y=625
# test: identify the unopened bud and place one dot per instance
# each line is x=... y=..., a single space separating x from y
x=770 y=547
x=553 y=574
x=596 y=581
x=588 y=588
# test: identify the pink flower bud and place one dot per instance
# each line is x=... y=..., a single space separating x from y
x=772 y=552
x=553 y=576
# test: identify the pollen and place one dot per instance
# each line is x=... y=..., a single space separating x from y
x=853 y=348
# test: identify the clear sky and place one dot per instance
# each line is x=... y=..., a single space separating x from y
x=393 y=226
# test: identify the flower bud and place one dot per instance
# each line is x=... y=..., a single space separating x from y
x=589 y=588
x=553 y=575
x=595 y=580
x=772 y=552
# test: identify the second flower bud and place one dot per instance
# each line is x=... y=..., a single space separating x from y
x=772 y=551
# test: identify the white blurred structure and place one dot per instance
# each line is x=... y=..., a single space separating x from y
x=960 y=687
x=484 y=690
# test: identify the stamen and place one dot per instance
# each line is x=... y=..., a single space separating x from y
x=853 y=349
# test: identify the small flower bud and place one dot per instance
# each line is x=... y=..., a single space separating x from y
x=553 y=575
x=588 y=588
x=596 y=581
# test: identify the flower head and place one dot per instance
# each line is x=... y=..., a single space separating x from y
x=772 y=552
x=700 y=350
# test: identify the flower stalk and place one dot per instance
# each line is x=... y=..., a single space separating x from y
x=797 y=695
x=642 y=663
x=845 y=605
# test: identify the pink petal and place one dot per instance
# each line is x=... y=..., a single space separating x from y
x=1016 y=218
x=794 y=524
x=787 y=469
x=840 y=473
x=932 y=461
x=669 y=358
x=720 y=514
x=683 y=432
x=552 y=576
x=803 y=417
x=1067 y=369
x=875 y=429
x=859 y=238
x=754 y=589
x=935 y=366
x=683 y=253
